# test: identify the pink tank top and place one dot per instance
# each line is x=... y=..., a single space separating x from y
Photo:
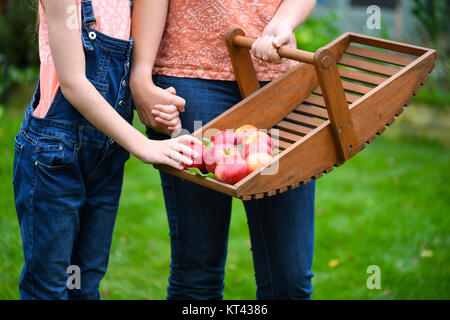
x=193 y=43
x=113 y=19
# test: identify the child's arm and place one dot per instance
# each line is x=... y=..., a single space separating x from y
x=156 y=107
x=68 y=55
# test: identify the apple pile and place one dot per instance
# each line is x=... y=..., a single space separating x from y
x=231 y=156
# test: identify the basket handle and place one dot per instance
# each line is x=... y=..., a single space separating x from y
x=283 y=51
x=325 y=65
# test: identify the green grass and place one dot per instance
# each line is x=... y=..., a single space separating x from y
x=388 y=206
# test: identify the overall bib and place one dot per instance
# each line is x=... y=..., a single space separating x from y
x=67 y=179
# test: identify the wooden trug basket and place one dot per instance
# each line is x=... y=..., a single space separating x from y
x=325 y=109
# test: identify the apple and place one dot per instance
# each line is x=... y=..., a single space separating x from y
x=225 y=137
x=218 y=154
x=244 y=131
x=232 y=171
x=257 y=136
x=257 y=160
x=255 y=147
x=199 y=162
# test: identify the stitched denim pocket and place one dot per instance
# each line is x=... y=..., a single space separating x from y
x=18 y=146
x=53 y=154
x=101 y=87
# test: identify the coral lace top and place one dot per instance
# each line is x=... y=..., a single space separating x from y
x=113 y=19
x=193 y=43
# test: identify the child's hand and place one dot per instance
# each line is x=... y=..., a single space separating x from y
x=171 y=152
x=274 y=36
x=157 y=108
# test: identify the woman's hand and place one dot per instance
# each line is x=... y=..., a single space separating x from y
x=172 y=152
x=280 y=30
x=275 y=35
x=157 y=108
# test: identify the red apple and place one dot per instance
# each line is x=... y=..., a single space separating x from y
x=232 y=171
x=257 y=160
x=225 y=137
x=197 y=162
x=254 y=147
x=218 y=154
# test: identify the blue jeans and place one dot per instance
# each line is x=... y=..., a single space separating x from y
x=281 y=227
x=67 y=179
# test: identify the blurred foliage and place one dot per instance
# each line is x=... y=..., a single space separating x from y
x=18 y=46
x=18 y=37
x=317 y=32
x=435 y=27
x=16 y=76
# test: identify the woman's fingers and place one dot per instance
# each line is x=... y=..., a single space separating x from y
x=176 y=129
x=171 y=90
x=263 y=49
x=273 y=54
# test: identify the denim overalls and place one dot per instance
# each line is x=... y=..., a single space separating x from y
x=67 y=179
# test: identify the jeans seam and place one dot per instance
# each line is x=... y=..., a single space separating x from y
x=175 y=223
x=29 y=139
x=32 y=222
x=44 y=135
x=17 y=164
x=266 y=254
x=105 y=66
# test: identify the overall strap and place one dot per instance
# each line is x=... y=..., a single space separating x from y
x=87 y=19
x=87 y=13
x=131 y=7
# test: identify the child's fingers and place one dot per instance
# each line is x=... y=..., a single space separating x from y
x=188 y=139
x=178 y=157
x=165 y=116
x=171 y=123
x=166 y=108
x=173 y=163
x=182 y=148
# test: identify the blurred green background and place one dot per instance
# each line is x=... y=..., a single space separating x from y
x=388 y=206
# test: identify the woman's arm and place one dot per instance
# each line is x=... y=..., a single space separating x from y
x=68 y=56
x=280 y=30
x=156 y=107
